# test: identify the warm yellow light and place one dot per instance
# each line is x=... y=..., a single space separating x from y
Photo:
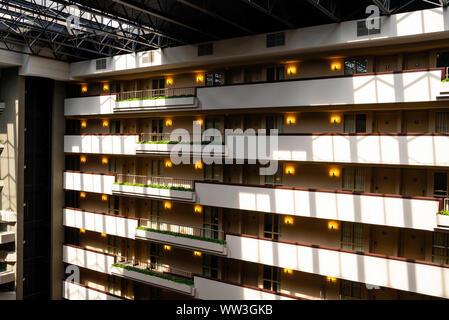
x=336 y=119
x=104 y=235
x=288 y=271
x=83 y=123
x=168 y=164
x=334 y=173
x=289 y=170
x=198 y=209
x=105 y=123
x=168 y=122
x=335 y=66
x=167 y=205
x=197 y=254
x=169 y=81
x=291 y=120
x=291 y=70
x=167 y=248
x=83 y=159
x=198 y=165
x=83 y=230
x=83 y=89
x=106 y=87
x=332 y=225
x=331 y=279
x=82 y=195
x=288 y=220
x=199 y=78
x=199 y=122
x=104 y=197
x=104 y=160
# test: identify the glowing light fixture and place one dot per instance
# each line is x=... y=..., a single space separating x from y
x=334 y=173
x=331 y=279
x=104 y=235
x=83 y=123
x=167 y=205
x=167 y=248
x=106 y=87
x=105 y=123
x=335 y=119
x=289 y=170
x=288 y=220
x=104 y=160
x=83 y=230
x=199 y=122
x=197 y=254
x=83 y=159
x=288 y=271
x=104 y=197
x=84 y=89
x=169 y=81
x=198 y=209
x=199 y=78
x=168 y=122
x=291 y=120
x=332 y=225
x=82 y=195
x=168 y=164
x=198 y=165
x=291 y=70
x=336 y=66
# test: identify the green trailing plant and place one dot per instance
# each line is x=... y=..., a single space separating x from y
x=157 y=98
x=152 y=186
x=444 y=212
x=445 y=80
x=154 y=274
x=176 y=234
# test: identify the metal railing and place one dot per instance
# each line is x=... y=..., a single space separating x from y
x=158 y=181
x=167 y=137
x=446 y=204
x=157 y=93
x=207 y=233
x=154 y=267
x=447 y=73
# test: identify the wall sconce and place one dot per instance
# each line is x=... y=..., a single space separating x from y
x=167 y=205
x=168 y=122
x=199 y=78
x=82 y=230
x=288 y=271
x=332 y=225
x=169 y=81
x=168 y=164
x=104 y=197
x=197 y=254
x=291 y=70
x=198 y=165
x=83 y=123
x=83 y=159
x=105 y=123
x=290 y=170
x=288 y=220
x=104 y=160
x=106 y=87
x=167 y=248
x=331 y=279
x=104 y=235
x=82 y=195
x=199 y=122
x=335 y=119
x=334 y=173
x=84 y=89
x=198 y=209
x=336 y=66
x=291 y=120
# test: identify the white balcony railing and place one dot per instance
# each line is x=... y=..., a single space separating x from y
x=101 y=144
x=89 y=182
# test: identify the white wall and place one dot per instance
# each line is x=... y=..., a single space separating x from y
x=116 y=226
x=206 y=289
x=87 y=259
x=97 y=183
x=387 y=211
x=89 y=105
x=400 y=28
x=376 y=149
x=400 y=275
x=387 y=88
x=8 y=216
x=73 y=291
x=101 y=144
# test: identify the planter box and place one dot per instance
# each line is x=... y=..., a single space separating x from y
x=8 y=216
x=75 y=291
x=7 y=237
x=155 y=105
x=442 y=221
x=7 y=276
x=153 y=192
x=180 y=241
x=153 y=280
